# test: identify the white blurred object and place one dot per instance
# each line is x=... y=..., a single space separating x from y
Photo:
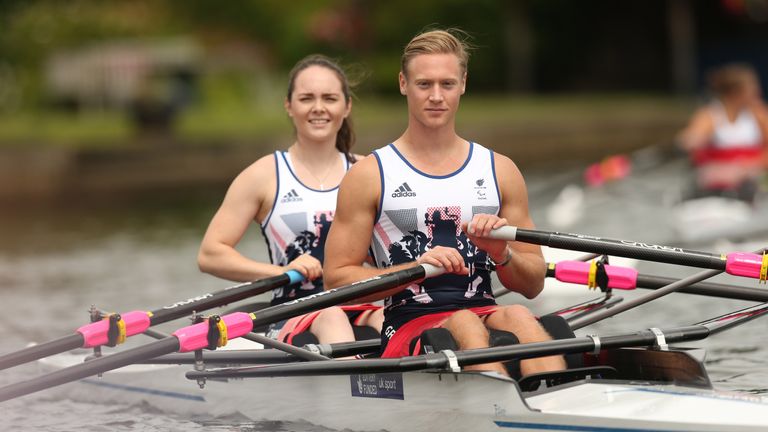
x=712 y=218
x=567 y=208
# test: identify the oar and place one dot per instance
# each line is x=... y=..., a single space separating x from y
x=736 y=263
x=619 y=277
x=453 y=360
x=114 y=328
x=501 y=291
x=269 y=355
x=215 y=331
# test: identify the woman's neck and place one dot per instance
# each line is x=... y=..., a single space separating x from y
x=314 y=154
x=318 y=166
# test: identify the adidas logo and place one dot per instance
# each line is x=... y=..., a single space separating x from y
x=291 y=196
x=403 y=191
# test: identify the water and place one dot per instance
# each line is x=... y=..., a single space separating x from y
x=56 y=262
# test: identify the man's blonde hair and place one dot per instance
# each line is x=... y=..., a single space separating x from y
x=450 y=41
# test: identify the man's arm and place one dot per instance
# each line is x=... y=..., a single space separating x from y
x=346 y=248
x=349 y=238
x=525 y=271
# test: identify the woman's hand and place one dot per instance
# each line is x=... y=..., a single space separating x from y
x=309 y=266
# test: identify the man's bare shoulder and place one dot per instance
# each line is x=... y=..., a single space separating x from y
x=365 y=168
x=360 y=186
x=506 y=168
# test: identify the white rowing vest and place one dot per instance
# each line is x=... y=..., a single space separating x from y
x=743 y=132
x=418 y=212
x=298 y=223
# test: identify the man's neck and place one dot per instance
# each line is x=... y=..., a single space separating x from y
x=436 y=152
x=419 y=139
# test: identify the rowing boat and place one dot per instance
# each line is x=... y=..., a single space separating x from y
x=650 y=389
x=626 y=382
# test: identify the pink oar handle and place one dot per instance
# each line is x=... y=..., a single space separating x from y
x=577 y=272
x=96 y=333
x=746 y=264
x=195 y=337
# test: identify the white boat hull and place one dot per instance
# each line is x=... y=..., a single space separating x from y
x=424 y=401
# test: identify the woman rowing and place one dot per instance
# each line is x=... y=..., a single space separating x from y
x=292 y=194
x=727 y=137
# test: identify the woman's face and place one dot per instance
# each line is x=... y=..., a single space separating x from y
x=317 y=105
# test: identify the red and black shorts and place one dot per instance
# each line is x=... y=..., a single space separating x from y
x=398 y=332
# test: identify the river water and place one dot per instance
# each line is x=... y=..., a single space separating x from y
x=56 y=261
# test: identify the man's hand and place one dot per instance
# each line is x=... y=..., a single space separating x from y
x=447 y=258
x=478 y=231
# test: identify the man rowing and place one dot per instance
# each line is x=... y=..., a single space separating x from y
x=438 y=198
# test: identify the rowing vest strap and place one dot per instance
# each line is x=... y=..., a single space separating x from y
x=298 y=223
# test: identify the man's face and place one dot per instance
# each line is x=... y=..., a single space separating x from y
x=433 y=86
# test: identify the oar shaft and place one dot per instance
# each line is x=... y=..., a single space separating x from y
x=724 y=322
x=607 y=313
x=579 y=345
x=623 y=248
x=282 y=346
x=342 y=295
x=223 y=297
x=464 y=358
x=708 y=289
x=135 y=322
x=83 y=370
x=46 y=349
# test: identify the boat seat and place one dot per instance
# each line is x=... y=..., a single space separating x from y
x=438 y=339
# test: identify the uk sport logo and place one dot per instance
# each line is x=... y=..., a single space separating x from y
x=403 y=191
